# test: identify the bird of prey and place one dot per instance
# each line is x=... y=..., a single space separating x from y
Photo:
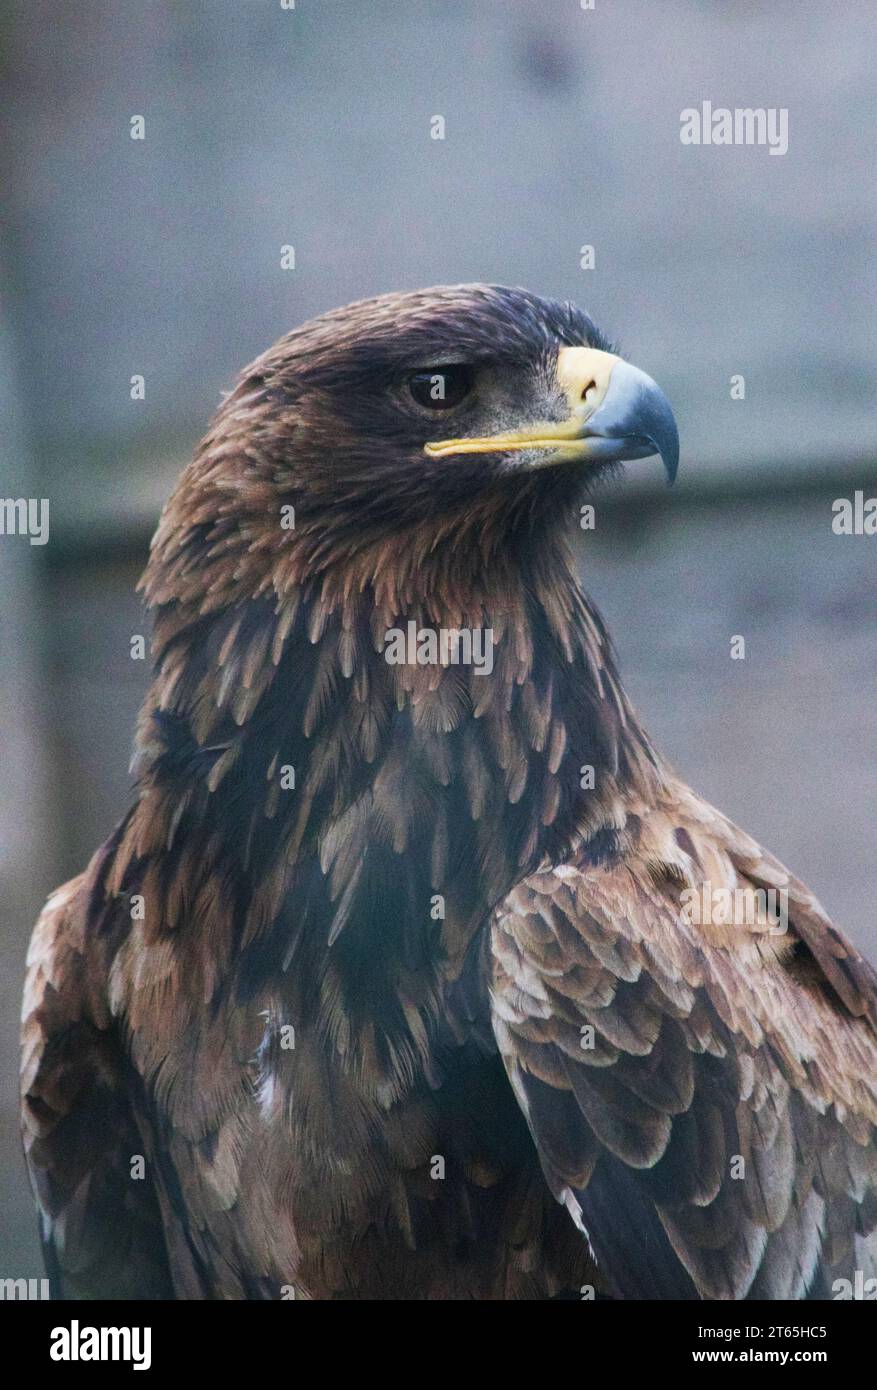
x=389 y=984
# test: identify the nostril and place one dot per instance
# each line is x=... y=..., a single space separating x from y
x=591 y=386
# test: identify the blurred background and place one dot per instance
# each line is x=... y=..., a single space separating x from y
x=310 y=126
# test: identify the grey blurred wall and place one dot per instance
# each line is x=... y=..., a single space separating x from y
x=311 y=127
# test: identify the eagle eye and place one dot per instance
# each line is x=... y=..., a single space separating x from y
x=441 y=388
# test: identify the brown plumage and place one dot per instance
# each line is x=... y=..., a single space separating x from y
x=430 y=1022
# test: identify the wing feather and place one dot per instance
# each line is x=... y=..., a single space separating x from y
x=703 y=1095
x=99 y=1220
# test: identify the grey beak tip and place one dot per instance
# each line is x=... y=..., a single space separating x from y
x=664 y=432
x=670 y=460
x=636 y=408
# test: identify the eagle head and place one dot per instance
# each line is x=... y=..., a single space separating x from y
x=422 y=420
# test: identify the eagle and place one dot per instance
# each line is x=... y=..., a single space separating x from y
x=427 y=978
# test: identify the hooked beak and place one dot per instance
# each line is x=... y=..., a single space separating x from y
x=617 y=412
